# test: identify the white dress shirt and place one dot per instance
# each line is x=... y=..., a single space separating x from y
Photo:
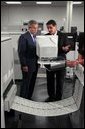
x=55 y=33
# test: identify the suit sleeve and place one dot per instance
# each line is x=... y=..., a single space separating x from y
x=81 y=44
x=65 y=42
x=22 y=50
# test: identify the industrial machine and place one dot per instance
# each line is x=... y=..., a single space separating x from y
x=12 y=101
x=47 y=51
x=47 y=46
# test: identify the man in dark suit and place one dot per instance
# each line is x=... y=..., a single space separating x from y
x=55 y=93
x=28 y=59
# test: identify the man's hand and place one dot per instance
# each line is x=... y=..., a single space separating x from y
x=66 y=48
x=25 y=68
x=72 y=63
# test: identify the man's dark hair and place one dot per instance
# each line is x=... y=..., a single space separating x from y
x=51 y=22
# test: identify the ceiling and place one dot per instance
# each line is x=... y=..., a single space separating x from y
x=33 y=3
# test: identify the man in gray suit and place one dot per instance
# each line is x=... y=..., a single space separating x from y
x=28 y=59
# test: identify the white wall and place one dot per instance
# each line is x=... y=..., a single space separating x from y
x=17 y=15
x=78 y=18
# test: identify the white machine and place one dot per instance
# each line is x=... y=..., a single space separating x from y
x=47 y=51
x=7 y=75
x=47 y=46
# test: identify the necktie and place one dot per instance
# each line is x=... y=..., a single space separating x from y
x=34 y=38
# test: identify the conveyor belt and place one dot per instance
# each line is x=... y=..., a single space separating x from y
x=57 y=108
x=44 y=109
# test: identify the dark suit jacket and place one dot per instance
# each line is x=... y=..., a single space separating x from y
x=27 y=51
x=81 y=43
x=62 y=41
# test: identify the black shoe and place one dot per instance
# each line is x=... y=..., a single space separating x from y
x=50 y=99
x=29 y=98
x=58 y=98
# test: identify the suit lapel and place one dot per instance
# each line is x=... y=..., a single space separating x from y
x=30 y=38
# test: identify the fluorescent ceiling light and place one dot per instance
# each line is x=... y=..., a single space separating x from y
x=13 y=2
x=77 y=2
x=43 y=2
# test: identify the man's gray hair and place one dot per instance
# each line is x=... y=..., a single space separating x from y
x=31 y=22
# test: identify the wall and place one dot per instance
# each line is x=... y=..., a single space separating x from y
x=12 y=15
x=78 y=18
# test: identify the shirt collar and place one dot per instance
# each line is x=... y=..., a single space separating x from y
x=31 y=34
x=55 y=33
